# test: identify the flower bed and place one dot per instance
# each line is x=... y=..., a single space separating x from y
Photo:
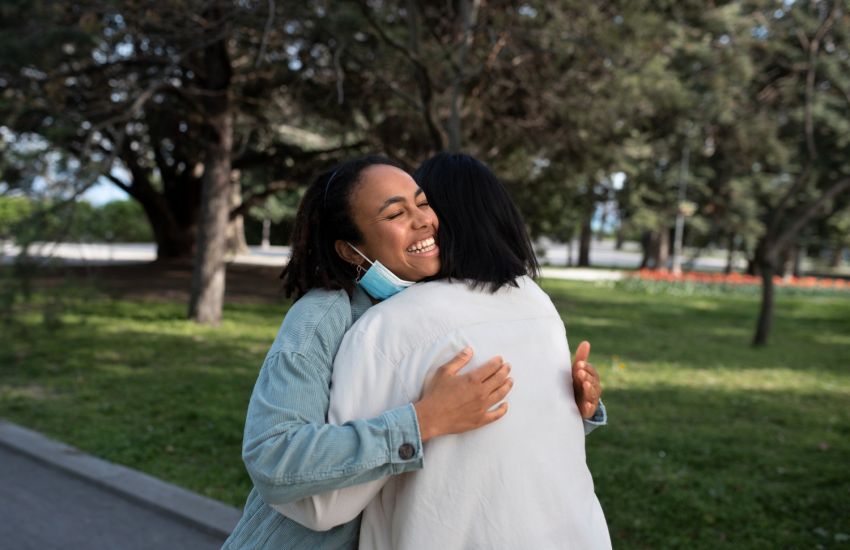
x=700 y=283
x=739 y=279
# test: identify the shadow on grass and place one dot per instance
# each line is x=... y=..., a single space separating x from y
x=692 y=468
x=135 y=383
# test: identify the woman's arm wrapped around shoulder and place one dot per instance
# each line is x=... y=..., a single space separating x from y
x=290 y=451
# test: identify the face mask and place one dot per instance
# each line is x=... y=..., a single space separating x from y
x=378 y=281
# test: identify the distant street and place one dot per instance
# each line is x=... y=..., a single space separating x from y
x=602 y=254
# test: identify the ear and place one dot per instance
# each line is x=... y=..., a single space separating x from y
x=347 y=253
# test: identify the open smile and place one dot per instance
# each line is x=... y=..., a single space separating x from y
x=422 y=247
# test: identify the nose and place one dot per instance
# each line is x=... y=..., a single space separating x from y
x=424 y=217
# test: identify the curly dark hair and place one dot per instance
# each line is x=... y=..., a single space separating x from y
x=324 y=217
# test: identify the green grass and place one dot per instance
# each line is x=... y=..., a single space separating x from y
x=135 y=383
x=712 y=443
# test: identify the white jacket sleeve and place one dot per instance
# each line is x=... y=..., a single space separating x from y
x=364 y=384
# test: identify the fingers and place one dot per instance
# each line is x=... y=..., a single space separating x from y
x=497 y=378
x=488 y=369
x=589 y=370
x=499 y=392
x=594 y=381
x=582 y=352
x=591 y=392
x=579 y=373
x=494 y=415
x=458 y=362
x=588 y=401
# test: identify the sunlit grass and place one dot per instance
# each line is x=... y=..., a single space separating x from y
x=712 y=443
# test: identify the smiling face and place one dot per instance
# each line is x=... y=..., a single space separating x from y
x=396 y=222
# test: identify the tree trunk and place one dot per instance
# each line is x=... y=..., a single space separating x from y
x=173 y=241
x=835 y=257
x=620 y=239
x=603 y=222
x=663 y=248
x=783 y=267
x=647 y=244
x=208 y=279
x=236 y=243
x=776 y=241
x=172 y=216
x=209 y=273
x=730 y=254
x=767 y=268
x=267 y=229
x=584 y=244
x=797 y=267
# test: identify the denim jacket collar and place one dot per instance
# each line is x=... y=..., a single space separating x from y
x=360 y=302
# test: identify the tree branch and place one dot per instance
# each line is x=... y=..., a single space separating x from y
x=260 y=196
x=809 y=212
x=121 y=185
x=261 y=52
x=420 y=73
x=469 y=15
x=255 y=158
x=813 y=50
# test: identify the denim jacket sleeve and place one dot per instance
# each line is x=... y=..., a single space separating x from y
x=361 y=387
x=290 y=451
x=599 y=418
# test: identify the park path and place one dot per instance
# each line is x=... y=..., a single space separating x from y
x=556 y=255
x=56 y=497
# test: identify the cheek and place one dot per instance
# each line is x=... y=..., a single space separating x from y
x=434 y=221
x=385 y=243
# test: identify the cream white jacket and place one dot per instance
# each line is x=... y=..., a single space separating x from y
x=519 y=483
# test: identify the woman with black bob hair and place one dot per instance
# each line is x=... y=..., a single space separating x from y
x=488 y=251
x=518 y=483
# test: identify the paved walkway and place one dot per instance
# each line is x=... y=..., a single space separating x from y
x=56 y=497
x=276 y=256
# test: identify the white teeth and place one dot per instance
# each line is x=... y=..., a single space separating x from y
x=425 y=245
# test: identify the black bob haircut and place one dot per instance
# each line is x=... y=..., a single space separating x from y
x=325 y=216
x=482 y=235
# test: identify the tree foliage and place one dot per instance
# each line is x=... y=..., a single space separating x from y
x=740 y=105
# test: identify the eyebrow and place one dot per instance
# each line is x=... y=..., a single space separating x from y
x=393 y=200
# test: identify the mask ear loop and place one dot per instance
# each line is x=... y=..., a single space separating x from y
x=361 y=271
x=354 y=248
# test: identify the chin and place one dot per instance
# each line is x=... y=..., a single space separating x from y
x=432 y=272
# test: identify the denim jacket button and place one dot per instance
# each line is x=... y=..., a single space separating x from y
x=406 y=451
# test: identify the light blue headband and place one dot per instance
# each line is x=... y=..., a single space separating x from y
x=328 y=185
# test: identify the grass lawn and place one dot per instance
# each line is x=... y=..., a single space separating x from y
x=711 y=443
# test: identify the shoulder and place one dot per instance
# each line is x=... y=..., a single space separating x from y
x=528 y=288
x=398 y=314
x=412 y=317
x=407 y=306
x=317 y=319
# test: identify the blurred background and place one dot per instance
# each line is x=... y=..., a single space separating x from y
x=684 y=168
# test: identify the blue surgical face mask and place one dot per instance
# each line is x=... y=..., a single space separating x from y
x=378 y=281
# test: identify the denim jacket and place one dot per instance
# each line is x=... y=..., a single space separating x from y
x=290 y=451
